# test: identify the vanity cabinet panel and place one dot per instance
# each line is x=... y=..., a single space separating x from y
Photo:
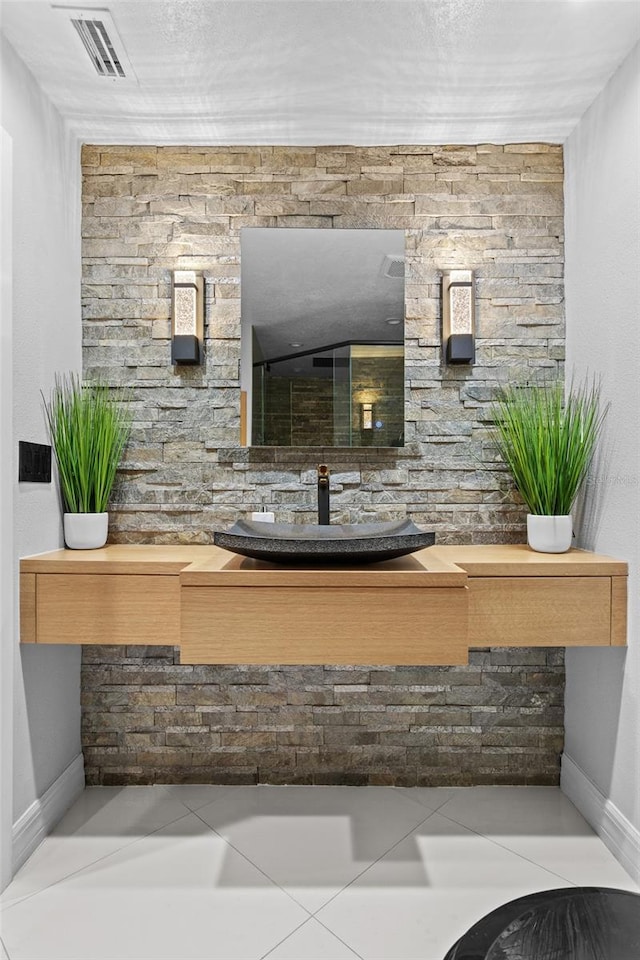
x=540 y=611
x=307 y=625
x=107 y=608
x=618 y=611
x=28 y=608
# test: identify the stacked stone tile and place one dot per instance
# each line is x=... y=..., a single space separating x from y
x=149 y=719
x=150 y=210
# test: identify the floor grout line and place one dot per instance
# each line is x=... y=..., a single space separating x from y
x=167 y=793
x=502 y=846
x=8 y=906
x=348 y=945
x=257 y=867
x=368 y=867
x=303 y=924
x=231 y=787
x=421 y=803
x=341 y=890
x=284 y=939
x=439 y=807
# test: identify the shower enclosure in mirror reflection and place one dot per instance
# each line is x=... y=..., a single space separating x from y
x=323 y=337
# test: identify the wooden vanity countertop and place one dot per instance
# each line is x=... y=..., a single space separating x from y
x=519 y=560
x=421 y=569
x=205 y=564
x=119 y=558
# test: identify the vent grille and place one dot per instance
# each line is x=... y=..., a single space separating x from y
x=393 y=267
x=99 y=46
x=100 y=39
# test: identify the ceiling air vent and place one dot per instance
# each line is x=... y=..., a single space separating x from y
x=393 y=267
x=100 y=39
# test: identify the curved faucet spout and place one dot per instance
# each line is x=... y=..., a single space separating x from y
x=323 y=494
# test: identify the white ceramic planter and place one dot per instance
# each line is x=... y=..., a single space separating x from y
x=85 y=531
x=549 y=534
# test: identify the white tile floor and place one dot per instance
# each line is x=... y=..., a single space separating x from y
x=290 y=873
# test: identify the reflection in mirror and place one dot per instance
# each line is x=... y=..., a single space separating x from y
x=323 y=336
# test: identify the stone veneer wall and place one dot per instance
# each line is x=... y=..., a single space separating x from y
x=149 y=210
x=149 y=719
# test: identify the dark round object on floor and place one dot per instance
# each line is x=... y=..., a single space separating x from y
x=574 y=923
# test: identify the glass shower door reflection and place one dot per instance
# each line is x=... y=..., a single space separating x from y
x=348 y=395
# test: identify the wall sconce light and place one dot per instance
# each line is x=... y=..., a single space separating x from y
x=458 y=316
x=187 y=317
x=366 y=413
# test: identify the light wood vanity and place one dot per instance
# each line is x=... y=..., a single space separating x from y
x=427 y=608
x=406 y=611
x=520 y=598
x=118 y=594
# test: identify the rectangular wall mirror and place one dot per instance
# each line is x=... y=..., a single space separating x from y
x=323 y=337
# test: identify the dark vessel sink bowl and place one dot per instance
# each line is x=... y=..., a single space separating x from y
x=335 y=543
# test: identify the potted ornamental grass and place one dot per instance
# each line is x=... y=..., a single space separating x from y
x=547 y=438
x=89 y=425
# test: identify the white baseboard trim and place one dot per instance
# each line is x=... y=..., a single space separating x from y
x=39 y=819
x=613 y=828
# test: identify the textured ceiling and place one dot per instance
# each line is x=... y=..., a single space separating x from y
x=332 y=71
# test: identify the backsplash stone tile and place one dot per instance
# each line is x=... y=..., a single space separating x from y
x=150 y=210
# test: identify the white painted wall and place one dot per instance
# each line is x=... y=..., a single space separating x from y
x=6 y=507
x=43 y=333
x=602 y=159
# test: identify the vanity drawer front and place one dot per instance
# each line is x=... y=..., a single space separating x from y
x=107 y=608
x=539 y=611
x=307 y=625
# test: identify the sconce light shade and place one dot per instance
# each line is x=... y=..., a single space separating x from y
x=187 y=317
x=366 y=410
x=458 y=316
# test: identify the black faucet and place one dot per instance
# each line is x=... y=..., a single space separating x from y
x=323 y=494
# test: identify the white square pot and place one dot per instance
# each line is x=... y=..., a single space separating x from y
x=549 y=534
x=85 y=531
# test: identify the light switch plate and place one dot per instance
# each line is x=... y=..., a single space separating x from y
x=34 y=462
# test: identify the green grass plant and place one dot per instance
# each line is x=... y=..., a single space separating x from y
x=89 y=426
x=547 y=440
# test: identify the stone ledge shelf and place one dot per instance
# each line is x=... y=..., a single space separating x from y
x=427 y=608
